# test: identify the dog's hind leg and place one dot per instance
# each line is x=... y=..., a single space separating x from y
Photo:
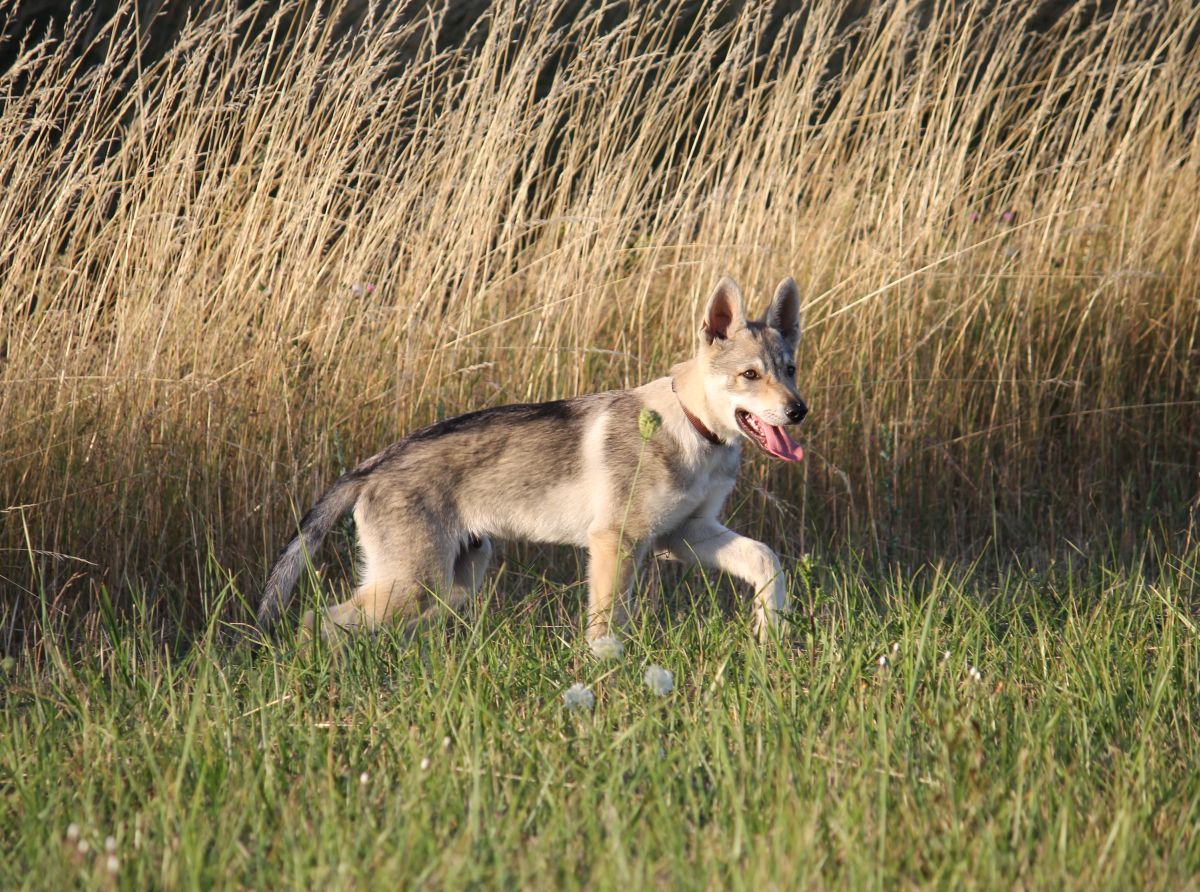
x=407 y=568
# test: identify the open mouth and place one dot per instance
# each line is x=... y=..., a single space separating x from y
x=771 y=438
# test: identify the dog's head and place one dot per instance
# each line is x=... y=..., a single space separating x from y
x=749 y=368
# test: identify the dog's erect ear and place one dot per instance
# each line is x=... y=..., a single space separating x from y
x=783 y=314
x=724 y=314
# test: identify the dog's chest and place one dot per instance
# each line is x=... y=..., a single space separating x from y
x=699 y=489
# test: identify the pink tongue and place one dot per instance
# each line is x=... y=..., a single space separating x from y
x=780 y=444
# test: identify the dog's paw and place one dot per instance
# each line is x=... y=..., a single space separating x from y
x=329 y=631
x=768 y=626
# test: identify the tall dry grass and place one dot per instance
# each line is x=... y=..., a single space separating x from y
x=229 y=274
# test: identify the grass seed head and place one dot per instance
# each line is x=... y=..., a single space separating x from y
x=649 y=423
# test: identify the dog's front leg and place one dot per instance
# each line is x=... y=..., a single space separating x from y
x=611 y=565
x=709 y=543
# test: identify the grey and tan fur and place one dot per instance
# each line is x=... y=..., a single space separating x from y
x=428 y=507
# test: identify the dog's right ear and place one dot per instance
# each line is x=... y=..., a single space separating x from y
x=724 y=314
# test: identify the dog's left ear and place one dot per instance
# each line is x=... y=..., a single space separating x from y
x=783 y=314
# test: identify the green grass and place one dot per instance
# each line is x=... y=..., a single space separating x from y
x=1070 y=763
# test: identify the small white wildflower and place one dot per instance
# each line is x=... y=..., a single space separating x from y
x=446 y=743
x=607 y=648
x=110 y=844
x=82 y=847
x=579 y=696
x=883 y=661
x=945 y=655
x=364 y=779
x=112 y=864
x=660 y=680
x=425 y=764
x=974 y=674
x=896 y=648
x=72 y=832
x=357 y=290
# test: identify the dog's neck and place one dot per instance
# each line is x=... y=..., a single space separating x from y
x=689 y=392
x=700 y=427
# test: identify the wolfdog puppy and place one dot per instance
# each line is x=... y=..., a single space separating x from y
x=598 y=472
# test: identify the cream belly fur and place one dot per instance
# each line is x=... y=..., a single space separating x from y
x=576 y=472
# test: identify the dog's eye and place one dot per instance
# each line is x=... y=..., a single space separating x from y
x=750 y=375
x=791 y=371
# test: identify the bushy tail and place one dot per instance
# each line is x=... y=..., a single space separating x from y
x=337 y=500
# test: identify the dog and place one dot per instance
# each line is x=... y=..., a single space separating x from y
x=623 y=474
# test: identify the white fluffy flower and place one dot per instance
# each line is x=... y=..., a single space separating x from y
x=110 y=844
x=425 y=764
x=112 y=864
x=660 y=680
x=73 y=832
x=579 y=696
x=364 y=778
x=607 y=647
x=883 y=661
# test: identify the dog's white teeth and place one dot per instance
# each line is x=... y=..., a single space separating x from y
x=753 y=423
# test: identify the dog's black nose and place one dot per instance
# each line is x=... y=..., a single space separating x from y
x=796 y=412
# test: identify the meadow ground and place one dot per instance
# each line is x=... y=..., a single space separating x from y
x=866 y=754
x=230 y=272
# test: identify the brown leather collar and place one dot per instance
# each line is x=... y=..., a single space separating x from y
x=699 y=425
